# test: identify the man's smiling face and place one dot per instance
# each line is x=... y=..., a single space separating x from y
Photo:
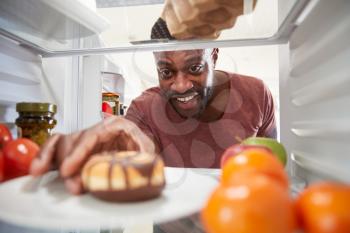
x=185 y=77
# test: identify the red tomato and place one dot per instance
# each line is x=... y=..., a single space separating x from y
x=107 y=108
x=1 y=166
x=5 y=135
x=18 y=156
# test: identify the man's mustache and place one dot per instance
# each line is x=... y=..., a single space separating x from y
x=173 y=94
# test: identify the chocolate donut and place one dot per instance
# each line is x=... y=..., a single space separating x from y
x=125 y=176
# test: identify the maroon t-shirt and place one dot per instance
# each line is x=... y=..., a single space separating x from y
x=192 y=143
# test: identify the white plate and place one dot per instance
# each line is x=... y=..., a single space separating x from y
x=49 y=206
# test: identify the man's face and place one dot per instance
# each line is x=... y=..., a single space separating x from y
x=185 y=77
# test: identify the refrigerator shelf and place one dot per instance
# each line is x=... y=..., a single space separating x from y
x=325 y=89
x=294 y=16
x=18 y=77
x=322 y=128
x=308 y=162
x=122 y=3
x=11 y=100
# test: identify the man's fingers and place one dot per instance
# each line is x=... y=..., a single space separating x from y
x=66 y=145
x=142 y=140
x=116 y=125
x=74 y=184
x=114 y=133
x=43 y=162
x=132 y=145
x=144 y=143
x=82 y=150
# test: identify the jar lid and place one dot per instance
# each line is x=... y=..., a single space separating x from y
x=108 y=94
x=36 y=107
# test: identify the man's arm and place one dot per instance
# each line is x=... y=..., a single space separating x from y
x=272 y=133
x=268 y=127
x=138 y=117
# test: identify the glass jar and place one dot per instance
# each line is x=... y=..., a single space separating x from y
x=112 y=100
x=35 y=121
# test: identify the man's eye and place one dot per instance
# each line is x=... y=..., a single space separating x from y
x=165 y=73
x=196 y=69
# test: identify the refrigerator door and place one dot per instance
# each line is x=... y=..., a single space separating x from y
x=315 y=93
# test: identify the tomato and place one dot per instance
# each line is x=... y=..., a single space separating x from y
x=1 y=167
x=107 y=108
x=18 y=155
x=5 y=135
x=254 y=160
x=325 y=208
x=253 y=204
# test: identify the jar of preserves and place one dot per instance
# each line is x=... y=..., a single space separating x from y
x=110 y=100
x=35 y=121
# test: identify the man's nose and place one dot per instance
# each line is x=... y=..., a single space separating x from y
x=181 y=83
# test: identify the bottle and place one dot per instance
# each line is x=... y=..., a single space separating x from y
x=35 y=121
x=110 y=101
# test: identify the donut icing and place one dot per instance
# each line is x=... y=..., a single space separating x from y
x=124 y=176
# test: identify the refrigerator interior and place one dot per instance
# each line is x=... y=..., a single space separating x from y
x=25 y=77
x=308 y=73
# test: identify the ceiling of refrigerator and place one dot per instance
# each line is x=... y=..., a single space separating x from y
x=59 y=25
x=122 y=3
x=52 y=24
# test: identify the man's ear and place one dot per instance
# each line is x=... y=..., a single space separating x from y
x=215 y=55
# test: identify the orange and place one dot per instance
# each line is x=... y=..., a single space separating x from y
x=254 y=161
x=254 y=204
x=325 y=208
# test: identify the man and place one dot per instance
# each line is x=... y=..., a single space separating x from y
x=190 y=119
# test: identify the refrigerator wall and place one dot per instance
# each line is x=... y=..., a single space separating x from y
x=26 y=77
x=314 y=93
x=97 y=73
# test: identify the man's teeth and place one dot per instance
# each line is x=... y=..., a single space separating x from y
x=186 y=99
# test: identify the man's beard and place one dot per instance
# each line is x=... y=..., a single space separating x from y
x=204 y=93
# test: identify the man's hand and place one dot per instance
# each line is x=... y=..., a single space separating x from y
x=69 y=153
x=204 y=19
